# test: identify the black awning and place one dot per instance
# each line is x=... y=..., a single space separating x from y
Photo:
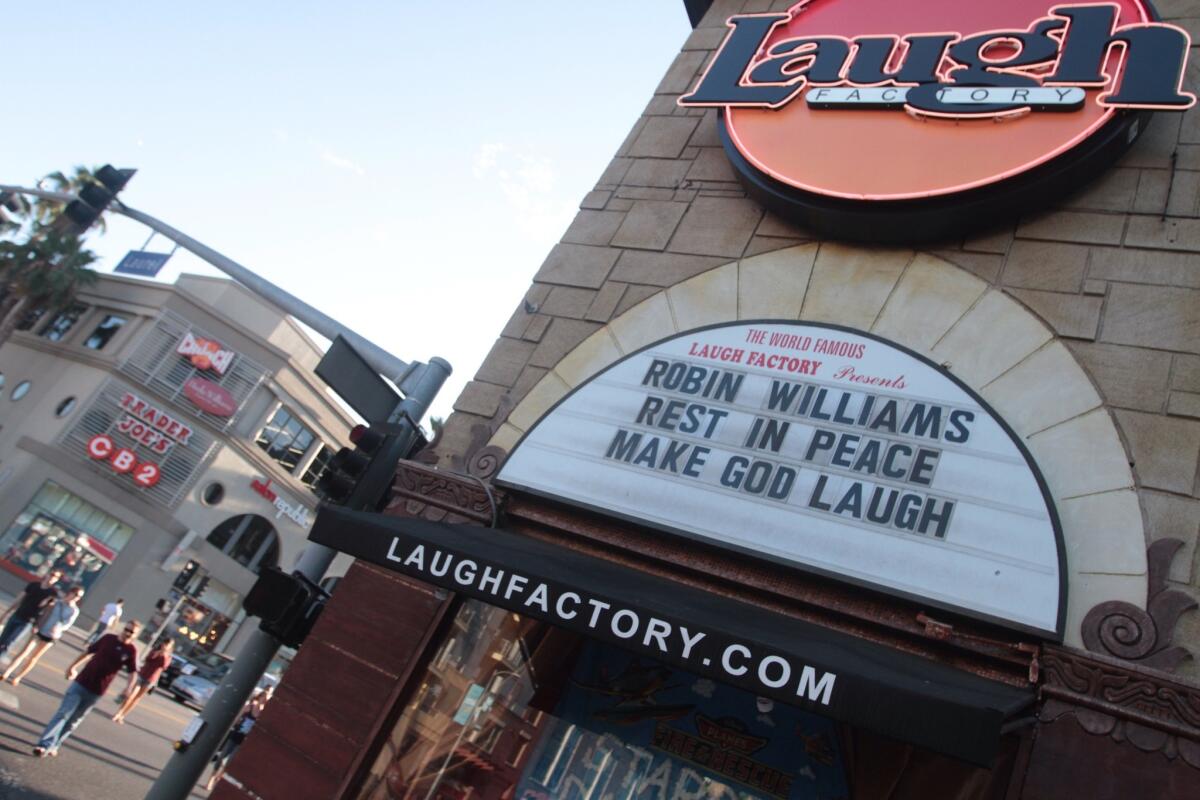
x=891 y=693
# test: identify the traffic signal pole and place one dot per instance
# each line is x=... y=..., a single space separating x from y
x=402 y=373
x=186 y=767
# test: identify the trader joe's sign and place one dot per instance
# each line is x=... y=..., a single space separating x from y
x=816 y=446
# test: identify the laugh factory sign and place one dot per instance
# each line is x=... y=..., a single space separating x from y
x=930 y=116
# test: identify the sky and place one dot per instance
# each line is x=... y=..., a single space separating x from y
x=403 y=166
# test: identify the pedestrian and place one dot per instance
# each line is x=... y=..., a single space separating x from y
x=28 y=606
x=52 y=624
x=237 y=734
x=106 y=657
x=152 y=667
x=110 y=617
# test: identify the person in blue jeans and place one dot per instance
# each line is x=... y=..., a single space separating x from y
x=25 y=610
x=105 y=658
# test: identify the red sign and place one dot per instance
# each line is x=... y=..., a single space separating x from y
x=142 y=433
x=205 y=353
x=209 y=397
x=122 y=460
x=878 y=100
x=99 y=548
x=157 y=419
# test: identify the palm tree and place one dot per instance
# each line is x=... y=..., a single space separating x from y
x=51 y=265
x=47 y=270
x=14 y=211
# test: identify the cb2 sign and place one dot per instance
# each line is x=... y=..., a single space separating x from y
x=123 y=461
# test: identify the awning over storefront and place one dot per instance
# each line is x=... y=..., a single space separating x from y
x=865 y=684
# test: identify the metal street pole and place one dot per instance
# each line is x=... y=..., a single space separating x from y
x=184 y=768
x=400 y=372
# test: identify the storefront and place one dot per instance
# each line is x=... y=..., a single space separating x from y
x=59 y=531
x=846 y=446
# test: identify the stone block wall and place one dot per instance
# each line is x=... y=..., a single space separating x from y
x=1113 y=273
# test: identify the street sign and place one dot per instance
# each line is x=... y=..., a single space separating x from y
x=345 y=371
x=142 y=263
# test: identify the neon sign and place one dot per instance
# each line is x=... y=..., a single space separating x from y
x=906 y=110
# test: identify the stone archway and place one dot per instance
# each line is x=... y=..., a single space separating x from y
x=987 y=339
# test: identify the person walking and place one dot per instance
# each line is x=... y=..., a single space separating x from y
x=152 y=668
x=237 y=735
x=110 y=617
x=28 y=606
x=51 y=625
x=105 y=658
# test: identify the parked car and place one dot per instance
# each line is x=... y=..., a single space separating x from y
x=197 y=677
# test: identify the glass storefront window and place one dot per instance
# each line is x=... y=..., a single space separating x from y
x=248 y=539
x=285 y=439
x=510 y=707
x=104 y=332
x=62 y=322
x=58 y=530
x=31 y=318
x=316 y=467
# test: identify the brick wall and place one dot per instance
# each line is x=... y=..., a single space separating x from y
x=1115 y=280
x=338 y=690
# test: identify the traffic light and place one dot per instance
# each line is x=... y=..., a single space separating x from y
x=95 y=197
x=360 y=477
x=185 y=575
x=201 y=585
x=286 y=605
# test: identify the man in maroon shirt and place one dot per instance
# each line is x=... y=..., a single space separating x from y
x=106 y=657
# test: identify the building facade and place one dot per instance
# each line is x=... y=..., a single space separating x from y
x=159 y=443
x=595 y=584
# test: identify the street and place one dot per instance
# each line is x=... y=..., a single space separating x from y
x=101 y=760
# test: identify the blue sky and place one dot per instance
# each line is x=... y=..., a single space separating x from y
x=404 y=166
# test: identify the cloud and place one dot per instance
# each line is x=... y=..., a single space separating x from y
x=528 y=184
x=487 y=158
x=341 y=162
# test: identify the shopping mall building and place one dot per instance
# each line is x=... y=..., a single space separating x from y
x=158 y=443
x=845 y=446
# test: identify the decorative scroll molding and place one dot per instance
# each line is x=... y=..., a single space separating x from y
x=422 y=491
x=1149 y=709
x=486 y=462
x=1127 y=632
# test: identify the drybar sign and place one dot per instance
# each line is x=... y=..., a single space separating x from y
x=837 y=109
x=814 y=446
